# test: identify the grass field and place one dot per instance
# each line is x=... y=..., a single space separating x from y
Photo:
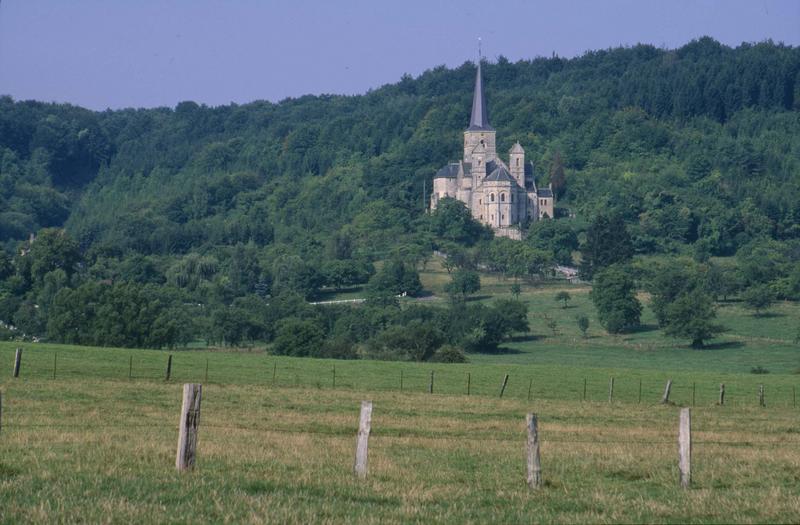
x=89 y=434
x=93 y=445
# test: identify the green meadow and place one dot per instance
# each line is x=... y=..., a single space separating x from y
x=89 y=434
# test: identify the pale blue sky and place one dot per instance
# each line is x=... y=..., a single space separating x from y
x=145 y=53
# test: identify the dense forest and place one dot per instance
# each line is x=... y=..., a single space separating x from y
x=218 y=223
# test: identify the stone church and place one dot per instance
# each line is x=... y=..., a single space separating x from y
x=499 y=195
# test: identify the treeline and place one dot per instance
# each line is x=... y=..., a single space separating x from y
x=694 y=150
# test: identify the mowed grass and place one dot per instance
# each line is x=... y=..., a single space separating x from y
x=102 y=451
x=750 y=341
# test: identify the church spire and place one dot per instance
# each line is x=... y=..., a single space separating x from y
x=480 y=118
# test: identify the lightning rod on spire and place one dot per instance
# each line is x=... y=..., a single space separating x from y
x=480 y=56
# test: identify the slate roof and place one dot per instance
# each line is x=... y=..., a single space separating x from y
x=545 y=193
x=517 y=148
x=499 y=175
x=448 y=172
x=479 y=120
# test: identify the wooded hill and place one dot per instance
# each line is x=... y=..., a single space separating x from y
x=697 y=146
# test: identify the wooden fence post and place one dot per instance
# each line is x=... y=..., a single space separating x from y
x=534 y=461
x=794 y=396
x=640 y=392
x=190 y=420
x=334 y=376
x=55 y=363
x=1 y=411
x=17 y=361
x=530 y=386
x=362 y=440
x=169 y=368
x=584 y=389
x=685 y=447
x=694 y=390
x=430 y=385
x=206 y=376
x=274 y=371
x=503 y=387
x=665 y=398
x=130 y=368
x=401 y=380
x=469 y=381
x=761 y=401
x=611 y=390
x=722 y=394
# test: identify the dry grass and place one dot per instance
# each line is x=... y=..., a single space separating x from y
x=103 y=451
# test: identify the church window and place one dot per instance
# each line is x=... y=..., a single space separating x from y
x=479 y=201
x=502 y=197
x=518 y=162
x=503 y=217
x=491 y=197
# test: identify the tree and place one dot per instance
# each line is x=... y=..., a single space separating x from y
x=691 y=316
x=607 y=243
x=758 y=297
x=298 y=338
x=416 y=341
x=583 y=324
x=564 y=296
x=516 y=290
x=452 y=221
x=557 y=177
x=395 y=278
x=463 y=283
x=614 y=297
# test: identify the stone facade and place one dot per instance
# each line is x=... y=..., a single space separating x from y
x=500 y=195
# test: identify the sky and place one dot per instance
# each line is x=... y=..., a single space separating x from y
x=146 y=53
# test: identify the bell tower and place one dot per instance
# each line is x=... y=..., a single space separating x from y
x=479 y=132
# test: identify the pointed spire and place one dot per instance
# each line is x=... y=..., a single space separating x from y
x=480 y=118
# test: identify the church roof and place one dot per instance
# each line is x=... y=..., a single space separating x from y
x=479 y=120
x=545 y=193
x=500 y=175
x=517 y=148
x=448 y=172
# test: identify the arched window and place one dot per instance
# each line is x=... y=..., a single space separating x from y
x=479 y=201
x=491 y=197
x=518 y=162
x=502 y=197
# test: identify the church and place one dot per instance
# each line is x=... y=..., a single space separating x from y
x=500 y=195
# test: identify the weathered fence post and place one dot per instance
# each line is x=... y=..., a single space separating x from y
x=206 y=375
x=694 y=390
x=640 y=392
x=17 y=361
x=503 y=387
x=274 y=371
x=55 y=363
x=130 y=368
x=362 y=440
x=334 y=376
x=665 y=398
x=534 y=461
x=722 y=393
x=584 y=389
x=1 y=411
x=685 y=447
x=794 y=397
x=169 y=368
x=469 y=381
x=611 y=390
x=761 y=401
x=530 y=386
x=430 y=385
x=190 y=420
x=401 y=380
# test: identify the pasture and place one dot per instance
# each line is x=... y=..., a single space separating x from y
x=95 y=445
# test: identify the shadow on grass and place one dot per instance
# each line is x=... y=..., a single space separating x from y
x=478 y=297
x=724 y=345
x=523 y=338
x=768 y=315
x=642 y=328
x=501 y=350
